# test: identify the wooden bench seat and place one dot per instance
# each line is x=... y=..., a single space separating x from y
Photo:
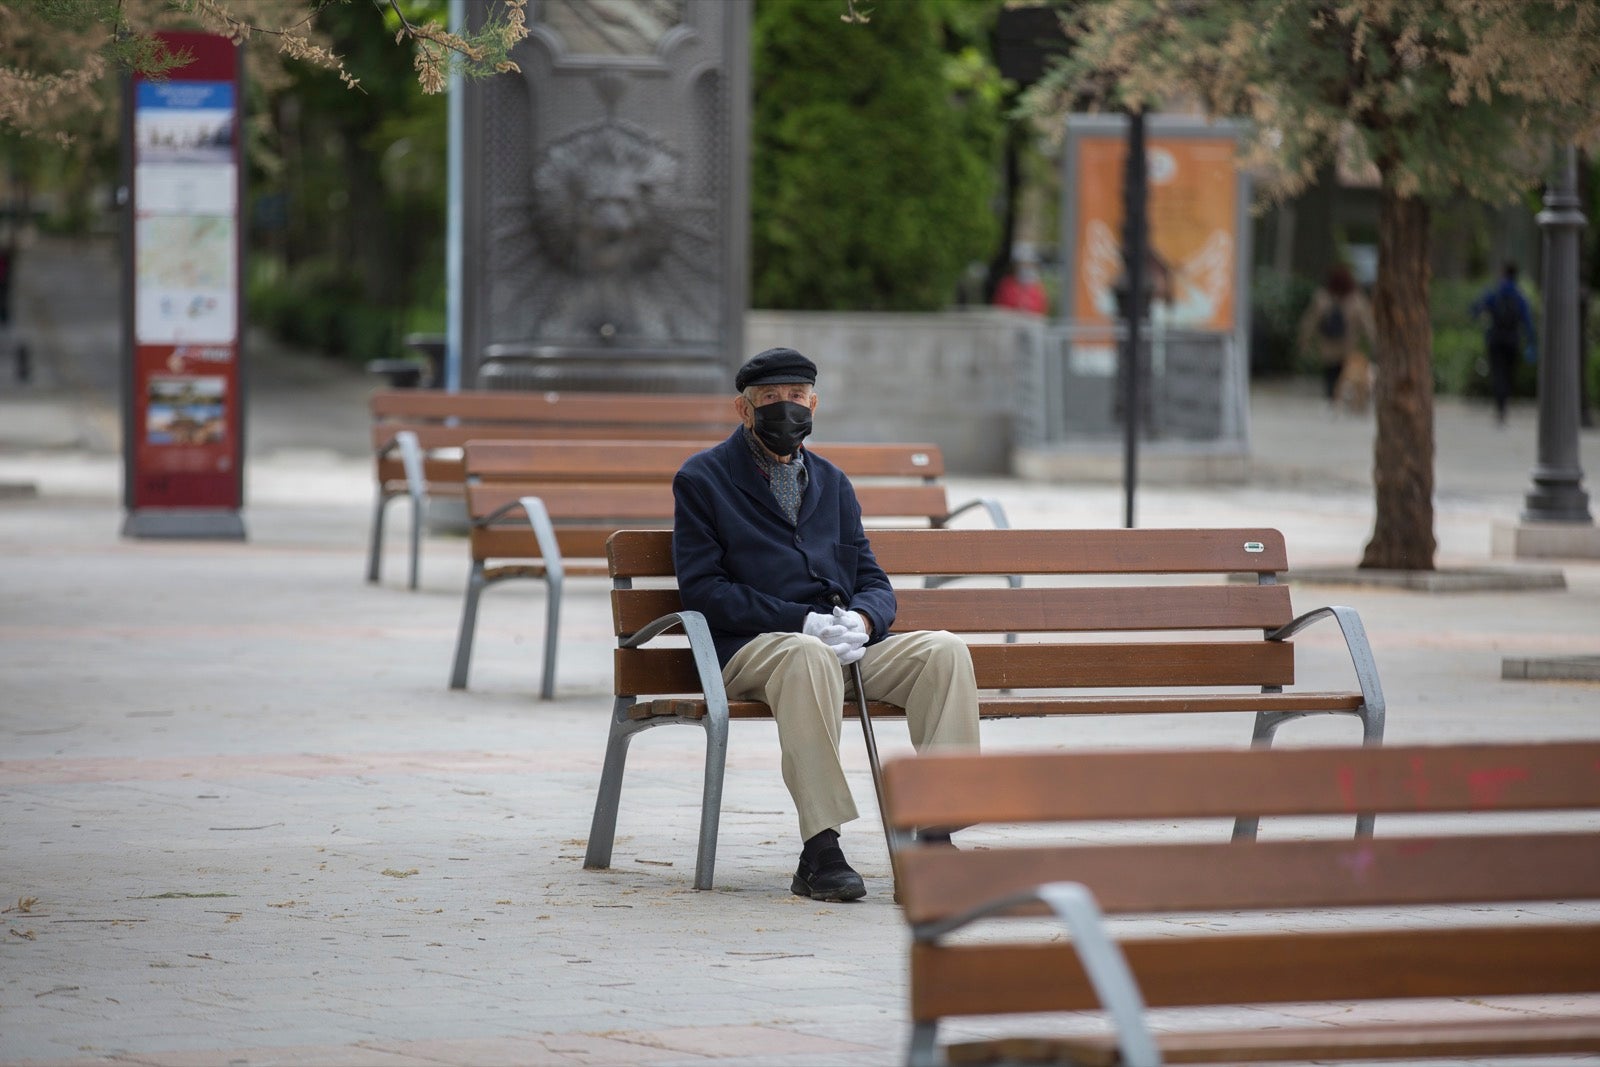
x=544 y=509
x=1438 y=883
x=1142 y=638
x=418 y=436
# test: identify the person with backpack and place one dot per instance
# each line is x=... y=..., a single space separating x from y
x=1338 y=323
x=1510 y=332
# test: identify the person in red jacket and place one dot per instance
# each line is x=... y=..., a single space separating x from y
x=766 y=534
x=1021 y=288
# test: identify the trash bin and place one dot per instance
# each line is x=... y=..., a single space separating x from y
x=430 y=346
x=398 y=373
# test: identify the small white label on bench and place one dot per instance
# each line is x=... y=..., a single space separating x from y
x=919 y=459
x=1254 y=546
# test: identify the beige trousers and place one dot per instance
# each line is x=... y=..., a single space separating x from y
x=929 y=673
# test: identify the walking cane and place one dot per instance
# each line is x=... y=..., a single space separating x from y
x=872 y=742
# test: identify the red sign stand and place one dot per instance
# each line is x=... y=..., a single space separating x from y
x=183 y=425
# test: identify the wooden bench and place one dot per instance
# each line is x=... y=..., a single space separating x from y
x=1207 y=637
x=1191 y=898
x=543 y=510
x=418 y=436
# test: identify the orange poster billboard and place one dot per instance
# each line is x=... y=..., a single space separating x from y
x=1194 y=226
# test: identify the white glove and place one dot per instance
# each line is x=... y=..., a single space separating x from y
x=823 y=626
x=853 y=621
x=836 y=633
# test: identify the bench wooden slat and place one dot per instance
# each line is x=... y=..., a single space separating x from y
x=619 y=501
x=1038 y=609
x=1540 y=1035
x=924 y=552
x=587 y=461
x=569 y=408
x=947 y=790
x=899 y=460
x=881 y=503
x=512 y=543
x=1186 y=877
x=1264 y=968
x=1035 y=666
x=1012 y=707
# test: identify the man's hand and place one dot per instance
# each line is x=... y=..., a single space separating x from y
x=825 y=627
x=837 y=634
x=852 y=620
x=855 y=636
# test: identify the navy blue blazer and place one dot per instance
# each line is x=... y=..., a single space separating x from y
x=749 y=570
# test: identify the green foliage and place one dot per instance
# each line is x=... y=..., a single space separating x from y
x=873 y=153
x=1442 y=95
x=318 y=306
x=1277 y=301
x=357 y=257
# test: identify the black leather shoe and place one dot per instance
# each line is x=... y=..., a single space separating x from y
x=827 y=877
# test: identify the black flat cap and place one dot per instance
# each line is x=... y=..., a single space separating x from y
x=776 y=366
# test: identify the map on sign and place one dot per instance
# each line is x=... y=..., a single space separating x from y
x=186 y=268
x=185 y=233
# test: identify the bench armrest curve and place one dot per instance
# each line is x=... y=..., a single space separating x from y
x=1355 y=641
x=996 y=511
x=1074 y=905
x=698 y=631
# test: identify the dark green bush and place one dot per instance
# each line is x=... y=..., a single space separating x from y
x=318 y=306
x=1277 y=301
x=873 y=156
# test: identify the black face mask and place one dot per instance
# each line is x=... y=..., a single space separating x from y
x=782 y=425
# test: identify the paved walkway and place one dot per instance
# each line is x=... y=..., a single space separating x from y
x=243 y=820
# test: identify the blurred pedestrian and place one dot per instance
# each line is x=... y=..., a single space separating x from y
x=1338 y=322
x=1509 y=333
x=1021 y=288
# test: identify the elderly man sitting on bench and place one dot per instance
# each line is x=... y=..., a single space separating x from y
x=768 y=545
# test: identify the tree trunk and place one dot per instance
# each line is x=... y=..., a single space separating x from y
x=1402 y=468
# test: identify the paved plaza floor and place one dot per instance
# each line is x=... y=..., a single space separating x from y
x=244 y=821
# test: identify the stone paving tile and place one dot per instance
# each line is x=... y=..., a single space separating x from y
x=727 y=1042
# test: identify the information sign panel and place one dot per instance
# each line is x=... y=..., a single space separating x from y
x=184 y=425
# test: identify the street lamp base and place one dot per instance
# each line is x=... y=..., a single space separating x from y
x=1546 y=540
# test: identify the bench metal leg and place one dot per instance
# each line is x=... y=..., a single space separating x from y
x=603 y=827
x=711 y=795
x=1266 y=728
x=924 y=1049
x=608 y=799
x=555 y=572
x=552 y=630
x=375 y=550
x=469 y=625
x=416 y=540
x=416 y=488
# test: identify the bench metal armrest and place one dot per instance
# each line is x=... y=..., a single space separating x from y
x=411 y=459
x=706 y=666
x=1355 y=640
x=1074 y=905
x=997 y=513
x=544 y=531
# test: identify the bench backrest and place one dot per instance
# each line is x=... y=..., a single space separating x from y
x=594 y=488
x=1482 y=857
x=444 y=422
x=1143 y=634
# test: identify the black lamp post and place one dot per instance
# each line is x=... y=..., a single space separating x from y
x=1132 y=299
x=1557 y=494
